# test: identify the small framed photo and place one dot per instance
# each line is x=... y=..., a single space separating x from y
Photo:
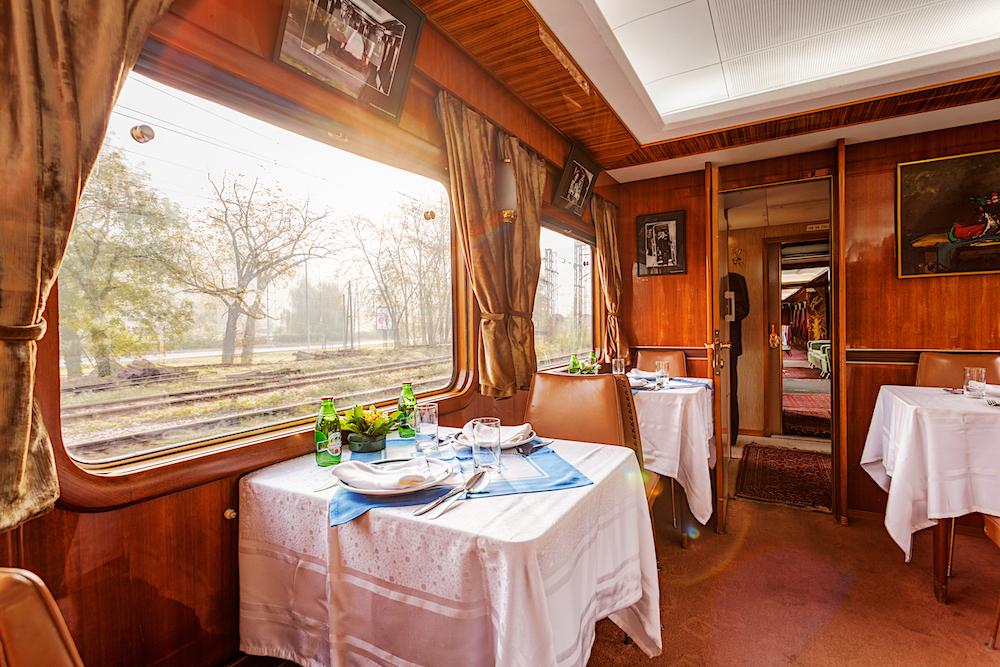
x=362 y=49
x=577 y=183
x=661 y=247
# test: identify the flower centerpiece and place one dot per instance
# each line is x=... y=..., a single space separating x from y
x=590 y=367
x=366 y=428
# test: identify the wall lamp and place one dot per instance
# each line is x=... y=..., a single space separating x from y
x=506 y=190
x=142 y=133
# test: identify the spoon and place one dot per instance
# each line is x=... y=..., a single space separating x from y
x=476 y=484
x=451 y=494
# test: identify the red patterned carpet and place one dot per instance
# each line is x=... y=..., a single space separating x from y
x=787 y=476
x=806 y=414
x=796 y=373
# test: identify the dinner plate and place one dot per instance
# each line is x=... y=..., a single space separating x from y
x=462 y=441
x=443 y=471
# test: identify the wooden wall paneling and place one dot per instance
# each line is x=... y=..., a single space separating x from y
x=863 y=383
x=665 y=310
x=799 y=167
x=920 y=313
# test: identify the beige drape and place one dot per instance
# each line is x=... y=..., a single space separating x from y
x=524 y=257
x=609 y=271
x=469 y=140
x=62 y=64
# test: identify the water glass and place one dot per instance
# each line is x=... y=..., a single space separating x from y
x=662 y=373
x=425 y=428
x=618 y=366
x=486 y=444
x=975 y=382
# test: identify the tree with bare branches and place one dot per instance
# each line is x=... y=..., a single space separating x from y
x=249 y=238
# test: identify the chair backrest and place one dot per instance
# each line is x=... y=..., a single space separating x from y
x=575 y=407
x=32 y=630
x=941 y=369
x=645 y=360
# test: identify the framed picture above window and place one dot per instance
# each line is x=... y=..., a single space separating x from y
x=577 y=183
x=361 y=49
x=661 y=247
x=948 y=215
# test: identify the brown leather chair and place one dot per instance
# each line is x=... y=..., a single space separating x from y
x=645 y=360
x=32 y=630
x=941 y=369
x=588 y=408
x=992 y=526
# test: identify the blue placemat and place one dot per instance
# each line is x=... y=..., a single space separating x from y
x=674 y=383
x=544 y=470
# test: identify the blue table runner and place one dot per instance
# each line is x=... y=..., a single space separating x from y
x=544 y=470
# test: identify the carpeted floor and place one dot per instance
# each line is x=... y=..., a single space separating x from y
x=789 y=476
x=797 y=373
x=787 y=587
x=806 y=415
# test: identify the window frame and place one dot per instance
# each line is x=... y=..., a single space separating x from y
x=95 y=487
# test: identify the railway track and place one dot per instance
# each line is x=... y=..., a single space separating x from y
x=87 y=450
x=124 y=406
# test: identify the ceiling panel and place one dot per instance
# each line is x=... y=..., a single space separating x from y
x=670 y=42
x=689 y=88
x=620 y=12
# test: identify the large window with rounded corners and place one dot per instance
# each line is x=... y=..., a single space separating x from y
x=564 y=302
x=223 y=274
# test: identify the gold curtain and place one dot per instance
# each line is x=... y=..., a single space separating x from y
x=524 y=258
x=62 y=64
x=609 y=270
x=470 y=141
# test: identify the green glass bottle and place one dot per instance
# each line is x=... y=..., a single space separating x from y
x=407 y=406
x=574 y=364
x=327 y=434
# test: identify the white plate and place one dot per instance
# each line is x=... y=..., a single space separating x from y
x=461 y=441
x=442 y=473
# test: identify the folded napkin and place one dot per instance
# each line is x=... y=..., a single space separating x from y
x=993 y=389
x=508 y=434
x=637 y=382
x=642 y=375
x=392 y=475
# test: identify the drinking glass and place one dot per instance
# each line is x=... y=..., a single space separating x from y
x=486 y=444
x=618 y=366
x=975 y=382
x=662 y=373
x=425 y=430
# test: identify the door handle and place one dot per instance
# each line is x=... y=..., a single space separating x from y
x=774 y=340
x=730 y=306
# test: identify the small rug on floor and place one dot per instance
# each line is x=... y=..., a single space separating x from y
x=805 y=425
x=787 y=476
x=811 y=405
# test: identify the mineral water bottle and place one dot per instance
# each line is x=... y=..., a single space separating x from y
x=327 y=434
x=407 y=407
x=574 y=364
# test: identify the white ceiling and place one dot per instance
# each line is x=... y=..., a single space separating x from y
x=808 y=201
x=672 y=68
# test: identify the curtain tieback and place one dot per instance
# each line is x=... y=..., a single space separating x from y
x=29 y=332
x=492 y=316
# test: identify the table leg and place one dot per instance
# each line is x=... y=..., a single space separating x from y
x=942 y=531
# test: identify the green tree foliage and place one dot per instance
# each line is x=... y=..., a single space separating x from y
x=117 y=300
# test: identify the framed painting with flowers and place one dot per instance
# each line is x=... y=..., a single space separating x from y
x=948 y=215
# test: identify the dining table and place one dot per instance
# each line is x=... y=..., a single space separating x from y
x=676 y=426
x=937 y=454
x=514 y=579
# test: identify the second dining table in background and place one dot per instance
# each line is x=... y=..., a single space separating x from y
x=677 y=432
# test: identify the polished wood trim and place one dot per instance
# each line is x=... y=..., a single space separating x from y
x=838 y=269
x=715 y=323
x=923 y=100
x=905 y=357
x=689 y=352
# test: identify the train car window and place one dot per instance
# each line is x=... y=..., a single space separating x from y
x=564 y=302
x=223 y=274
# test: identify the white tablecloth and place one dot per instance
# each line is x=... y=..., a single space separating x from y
x=509 y=580
x=678 y=440
x=937 y=454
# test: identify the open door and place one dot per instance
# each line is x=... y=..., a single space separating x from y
x=721 y=312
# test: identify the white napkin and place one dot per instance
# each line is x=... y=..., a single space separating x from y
x=993 y=389
x=637 y=382
x=393 y=475
x=508 y=434
x=642 y=375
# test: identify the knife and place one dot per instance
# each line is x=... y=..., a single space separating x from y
x=454 y=492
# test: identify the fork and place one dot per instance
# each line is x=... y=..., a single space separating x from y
x=990 y=401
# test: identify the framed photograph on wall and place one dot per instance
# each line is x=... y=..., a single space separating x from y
x=577 y=183
x=948 y=215
x=361 y=49
x=661 y=247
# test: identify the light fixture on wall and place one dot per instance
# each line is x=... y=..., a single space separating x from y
x=738 y=256
x=142 y=133
x=506 y=189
